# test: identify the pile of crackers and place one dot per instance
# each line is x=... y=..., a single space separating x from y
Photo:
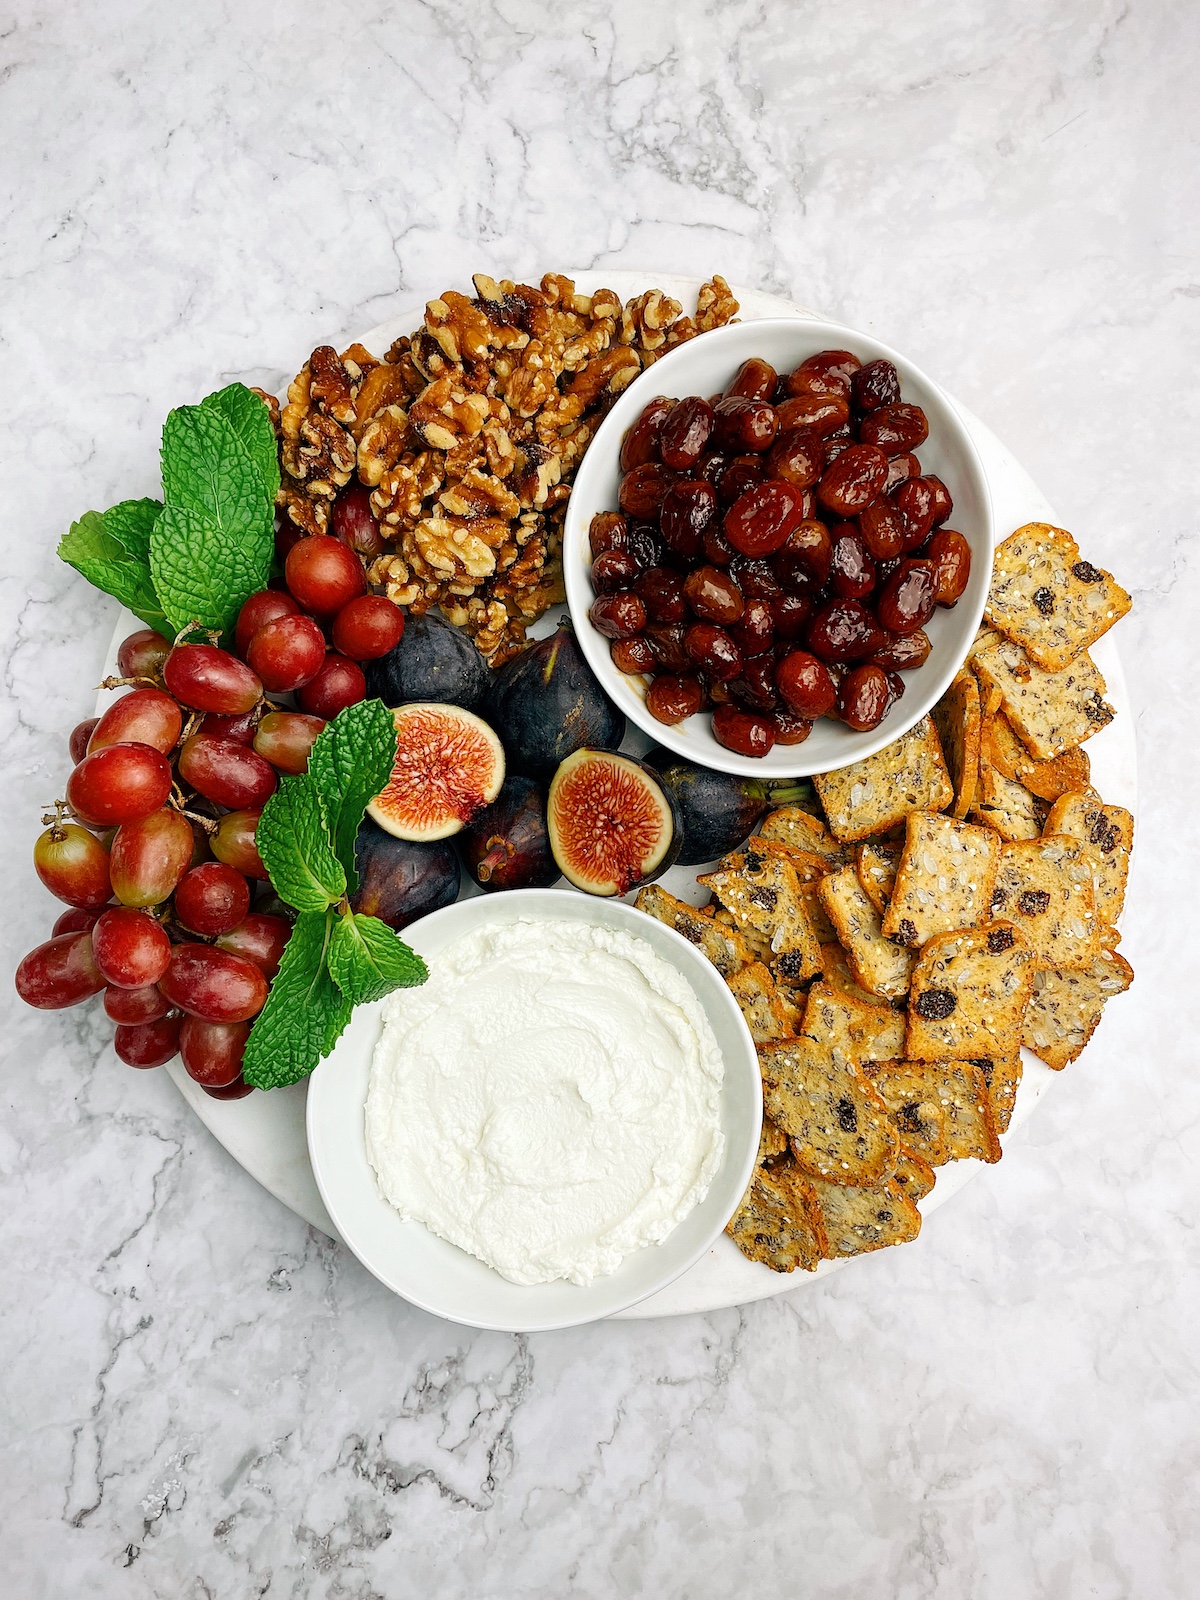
x=955 y=898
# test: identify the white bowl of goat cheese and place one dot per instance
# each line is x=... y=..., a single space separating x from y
x=557 y=1124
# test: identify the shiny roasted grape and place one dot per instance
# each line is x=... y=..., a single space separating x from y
x=805 y=684
x=355 y=524
x=713 y=651
x=951 y=557
x=687 y=510
x=257 y=611
x=368 y=628
x=896 y=429
x=684 y=433
x=618 y=616
x=803 y=561
x=633 y=655
x=907 y=599
x=119 y=784
x=819 y=415
x=746 y=733
x=323 y=575
x=642 y=491
x=285 y=738
x=754 y=687
x=208 y=679
x=73 y=865
x=754 y=632
x=851 y=570
x=666 y=641
x=903 y=652
x=760 y=520
x=875 y=384
x=718 y=551
x=142 y=654
x=608 y=530
x=914 y=498
x=755 y=577
x=338 y=684
x=212 y=899
x=237 y=1090
x=233 y=843
x=850 y=483
x=640 y=444
x=130 y=947
x=214 y=984
x=900 y=469
x=614 y=570
x=796 y=458
x=943 y=505
x=212 y=1051
x=646 y=547
x=148 y=857
x=740 y=474
x=713 y=596
x=755 y=379
x=287 y=652
x=59 y=973
x=829 y=372
x=790 y=613
x=843 y=630
x=672 y=699
x=260 y=937
x=78 y=742
x=864 y=696
x=133 y=1006
x=884 y=528
x=661 y=592
x=790 y=727
x=143 y=716
x=149 y=1044
x=226 y=773
x=744 y=427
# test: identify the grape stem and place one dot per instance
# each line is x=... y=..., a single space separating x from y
x=211 y=634
x=125 y=683
x=54 y=820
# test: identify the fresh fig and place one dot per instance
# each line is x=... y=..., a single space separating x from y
x=547 y=702
x=613 y=823
x=433 y=661
x=718 y=809
x=399 y=881
x=507 y=846
x=449 y=765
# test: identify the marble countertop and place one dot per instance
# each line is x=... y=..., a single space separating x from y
x=202 y=1398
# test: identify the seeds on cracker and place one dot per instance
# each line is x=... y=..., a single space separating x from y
x=957 y=718
x=724 y=946
x=837 y=1124
x=760 y=890
x=880 y=965
x=1006 y=806
x=779 y=1219
x=1050 y=711
x=793 y=826
x=968 y=994
x=1107 y=835
x=1002 y=1075
x=913 y=1175
x=768 y=1015
x=1044 y=886
x=875 y=861
x=958 y=1090
x=857 y=1220
x=1065 y=1007
x=1064 y=774
x=1047 y=598
x=916 y=1111
x=944 y=879
x=873 y=795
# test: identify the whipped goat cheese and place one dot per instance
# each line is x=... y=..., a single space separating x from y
x=548 y=1101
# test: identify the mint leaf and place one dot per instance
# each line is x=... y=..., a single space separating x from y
x=131 y=522
x=293 y=840
x=367 y=960
x=105 y=561
x=305 y=1011
x=249 y=418
x=350 y=763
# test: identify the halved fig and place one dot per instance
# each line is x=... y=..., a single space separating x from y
x=613 y=824
x=449 y=765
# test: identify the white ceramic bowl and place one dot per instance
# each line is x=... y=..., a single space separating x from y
x=438 y=1276
x=705 y=366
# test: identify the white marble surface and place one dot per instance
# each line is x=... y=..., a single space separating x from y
x=203 y=1399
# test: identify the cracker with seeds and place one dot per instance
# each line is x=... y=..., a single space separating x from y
x=968 y=995
x=1064 y=774
x=1007 y=807
x=798 y=829
x=810 y=869
x=944 y=880
x=916 y=1112
x=758 y=946
x=1050 y=711
x=873 y=795
x=1107 y=835
x=875 y=861
x=838 y=1126
x=958 y=719
x=913 y=1174
x=767 y=1014
x=1065 y=1007
x=881 y=966
x=1049 y=600
x=760 y=890
x=779 y=1219
x=858 y=1220
x=724 y=946
x=862 y=1027
x=1044 y=887
x=959 y=1091
x=1002 y=1076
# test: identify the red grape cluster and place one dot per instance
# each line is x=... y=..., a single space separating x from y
x=170 y=911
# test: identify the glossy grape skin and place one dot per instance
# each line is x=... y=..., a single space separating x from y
x=229 y=774
x=212 y=899
x=76 y=919
x=130 y=947
x=73 y=865
x=368 y=628
x=287 y=652
x=233 y=843
x=323 y=574
x=149 y=856
x=261 y=938
x=119 y=784
x=213 y=984
x=241 y=729
x=284 y=738
x=237 y=1090
x=142 y=654
x=143 y=716
x=59 y=973
x=135 y=1005
x=149 y=1044
x=258 y=610
x=208 y=679
x=340 y=683
x=78 y=742
x=212 y=1051
x=354 y=523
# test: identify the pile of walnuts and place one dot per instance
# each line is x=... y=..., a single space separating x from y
x=467 y=435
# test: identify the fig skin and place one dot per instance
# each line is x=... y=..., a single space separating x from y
x=547 y=703
x=433 y=661
x=718 y=809
x=510 y=836
x=399 y=881
x=573 y=869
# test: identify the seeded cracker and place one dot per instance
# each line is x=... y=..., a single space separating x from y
x=1006 y=807
x=833 y=1019
x=875 y=861
x=837 y=1124
x=1002 y=1075
x=767 y=1015
x=779 y=1219
x=761 y=891
x=795 y=827
x=881 y=966
x=1107 y=835
x=1047 y=599
x=913 y=1175
x=958 y=1090
x=968 y=994
x=858 y=1220
x=1065 y=1008
x=1044 y=886
x=944 y=881
x=810 y=869
x=871 y=796
x=1068 y=773
x=916 y=1111
x=1050 y=711
x=957 y=717
x=724 y=946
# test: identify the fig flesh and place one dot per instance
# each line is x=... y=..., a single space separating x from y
x=433 y=661
x=613 y=823
x=508 y=845
x=718 y=809
x=399 y=881
x=547 y=702
x=449 y=765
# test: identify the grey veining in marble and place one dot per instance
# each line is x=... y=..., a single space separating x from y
x=202 y=1399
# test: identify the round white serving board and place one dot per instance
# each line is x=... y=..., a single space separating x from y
x=265 y=1132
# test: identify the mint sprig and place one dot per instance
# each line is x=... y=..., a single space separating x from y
x=350 y=764
x=293 y=840
x=305 y=1012
x=106 y=550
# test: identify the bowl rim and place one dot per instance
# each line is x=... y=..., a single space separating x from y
x=741 y=1077
x=595 y=648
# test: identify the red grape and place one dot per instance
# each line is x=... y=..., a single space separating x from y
x=237 y=1090
x=149 y=1044
x=287 y=652
x=261 y=938
x=143 y=716
x=59 y=973
x=240 y=729
x=354 y=523
x=233 y=843
x=227 y=773
x=142 y=654
x=284 y=738
x=149 y=857
x=368 y=627
x=135 y=1005
x=212 y=1051
x=208 y=679
x=340 y=683
x=131 y=949
x=214 y=984
x=261 y=608
x=119 y=784
x=73 y=864
x=80 y=734
x=212 y=899
x=77 y=919
x=324 y=574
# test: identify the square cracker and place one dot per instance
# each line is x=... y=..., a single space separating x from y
x=1064 y=774
x=875 y=1032
x=1047 y=599
x=768 y=1015
x=881 y=966
x=913 y=1175
x=1107 y=834
x=860 y=1219
x=779 y=1219
x=810 y=869
x=969 y=991
x=1044 y=886
x=875 y=861
x=1005 y=806
x=958 y=1090
x=873 y=795
x=944 y=880
x=1050 y=711
x=1002 y=1075
x=958 y=719
x=1065 y=1007
x=916 y=1112
x=797 y=828
x=724 y=946
x=760 y=890
x=837 y=1124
